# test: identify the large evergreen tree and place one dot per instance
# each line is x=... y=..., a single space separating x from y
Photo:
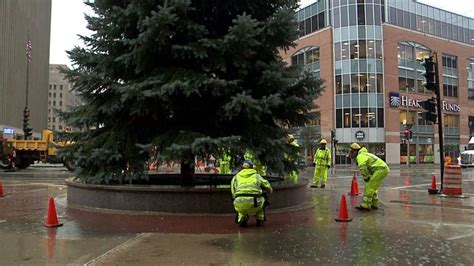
x=189 y=76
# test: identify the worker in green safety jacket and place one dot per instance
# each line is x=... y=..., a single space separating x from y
x=224 y=162
x=293 y=175
x=248 y=189
x=374 y=170
x=322 y=162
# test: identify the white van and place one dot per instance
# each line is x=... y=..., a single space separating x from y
x=467 y=156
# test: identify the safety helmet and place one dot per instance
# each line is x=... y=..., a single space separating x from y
x=247 y=164
x=323 y=141
x=355 y=146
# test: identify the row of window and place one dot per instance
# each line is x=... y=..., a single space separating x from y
x=412 y=51
x=306 y=56
x=54 y=95
x=361 y=14
x=431 y=26
x=359 y=117
x=358 y=49
x=357 y=33
x=312 y=24
x=409 y=117
x=54 y=103
x=311 y=10
x=53 y=87
x=336 y=3
x=359 y=82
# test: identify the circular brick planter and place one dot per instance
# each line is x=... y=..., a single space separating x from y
x=174 y=198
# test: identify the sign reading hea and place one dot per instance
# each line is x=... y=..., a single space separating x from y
x=396 y=101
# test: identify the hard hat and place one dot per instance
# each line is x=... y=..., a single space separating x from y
x=323 y=141
x=355 y=146
x=247 y=164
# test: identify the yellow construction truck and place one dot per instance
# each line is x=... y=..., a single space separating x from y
x=23 y=153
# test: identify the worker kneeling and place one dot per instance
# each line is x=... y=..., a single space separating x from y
x=248 y=192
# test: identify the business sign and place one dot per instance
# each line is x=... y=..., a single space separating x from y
x=397 y=100
x=360 y=135
x=8 y=130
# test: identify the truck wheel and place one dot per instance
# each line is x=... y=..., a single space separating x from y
x=22 y=163
x=70 y=164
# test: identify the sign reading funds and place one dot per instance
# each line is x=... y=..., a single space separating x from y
x=360 y=135
x=396 y=101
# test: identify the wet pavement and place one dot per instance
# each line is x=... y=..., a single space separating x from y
x=411 y=227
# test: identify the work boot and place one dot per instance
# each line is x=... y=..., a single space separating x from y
x=323 y=185
x=260 y=223
x=243 y=223
x=314 y=186
x=363 y=209
x=374 y=207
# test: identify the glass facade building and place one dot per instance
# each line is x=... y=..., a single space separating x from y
x=376 y=47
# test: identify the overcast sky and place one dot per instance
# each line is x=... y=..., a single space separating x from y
x=68 y=21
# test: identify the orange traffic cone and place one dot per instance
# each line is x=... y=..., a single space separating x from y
x=433 y=190
x=1 y=190
x=52 y=219
x=343 y=214
x=354 y=187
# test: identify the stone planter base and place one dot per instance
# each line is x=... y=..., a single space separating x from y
x=174 y=198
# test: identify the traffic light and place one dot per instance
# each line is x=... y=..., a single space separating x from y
x=429 y=74
x=27 y=131
x=430 y=106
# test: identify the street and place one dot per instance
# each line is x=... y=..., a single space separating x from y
x=411 y=227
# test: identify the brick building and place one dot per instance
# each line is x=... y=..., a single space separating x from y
x=369 y=53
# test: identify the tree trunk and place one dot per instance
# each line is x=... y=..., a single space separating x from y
x=187 y=170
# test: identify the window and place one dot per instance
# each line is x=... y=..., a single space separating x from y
x=307 y=55
x=361 y=14
x=61 y=87
x=54 y=95
x=60 y=103
x=54 y=119
x=347 y=117
x=61 y=95
x=450 y=75
x=356 y=117
x=54 y=103
x=407 y=117
x=451 y=121
x=339 y=118
x=470 y=78
x=54 y=87
x=54 y=128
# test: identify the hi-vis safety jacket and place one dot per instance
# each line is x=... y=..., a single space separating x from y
x=248 y=183
x=369 y=163
x=322 y=157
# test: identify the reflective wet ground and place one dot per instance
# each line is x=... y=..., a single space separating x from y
x=411 y=227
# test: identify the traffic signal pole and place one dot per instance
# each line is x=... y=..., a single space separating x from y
x=440 y=120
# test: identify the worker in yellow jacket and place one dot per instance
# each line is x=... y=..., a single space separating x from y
x=322 y=162
x=247 y=188
x=374 y=170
